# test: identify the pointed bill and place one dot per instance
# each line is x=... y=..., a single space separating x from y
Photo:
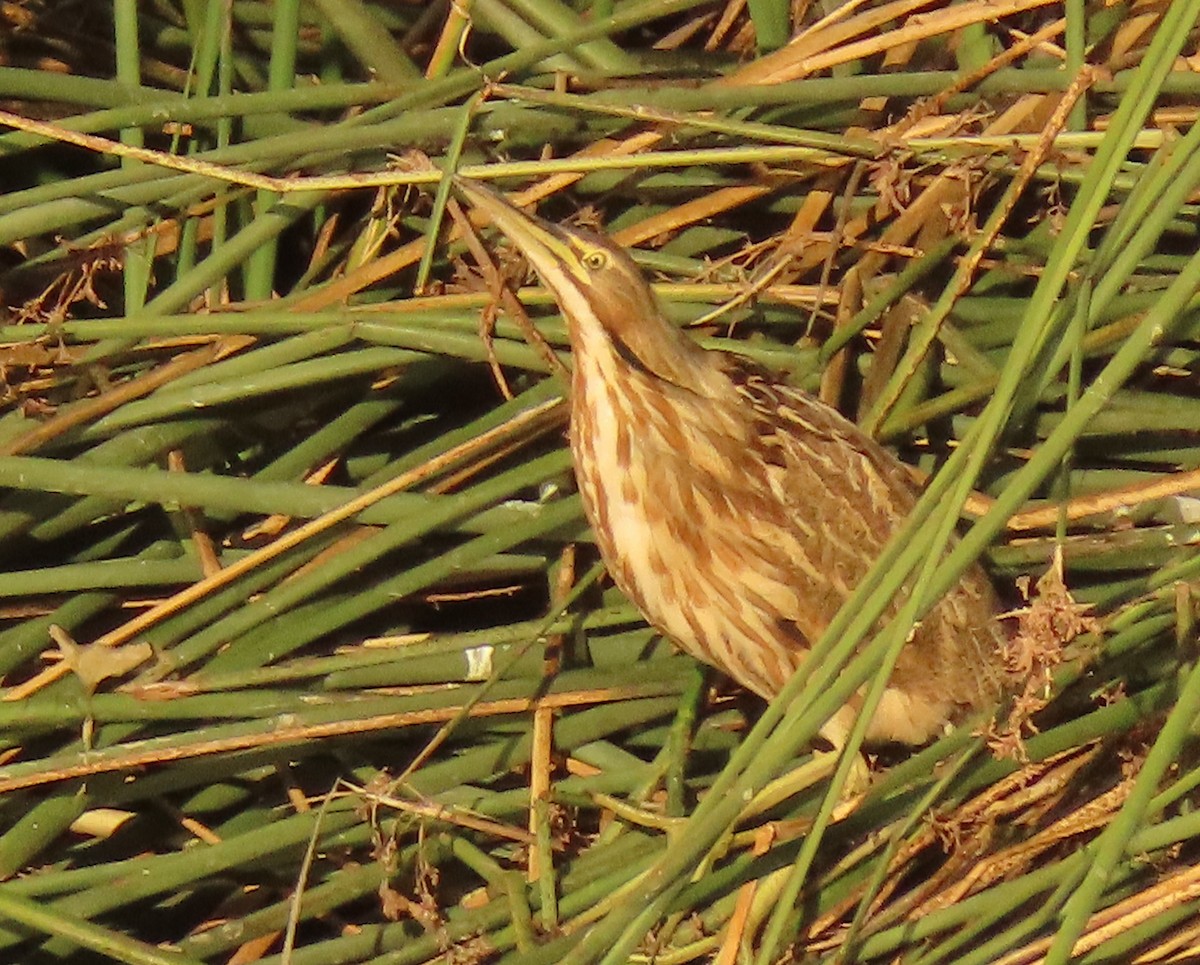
x=548 y=247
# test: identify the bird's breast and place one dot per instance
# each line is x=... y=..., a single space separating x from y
x=661 y=524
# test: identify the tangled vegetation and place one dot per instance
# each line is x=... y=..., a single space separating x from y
x=307 y=656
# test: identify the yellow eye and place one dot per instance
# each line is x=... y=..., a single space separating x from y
x=595 y=260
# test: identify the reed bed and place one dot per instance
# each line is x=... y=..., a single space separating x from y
x=307 y=655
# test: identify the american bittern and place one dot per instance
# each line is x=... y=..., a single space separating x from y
x=737 y=512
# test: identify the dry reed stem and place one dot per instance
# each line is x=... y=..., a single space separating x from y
x=1120 y=499
x=1169 y=892
x=202 y=541
x=541 y=761
x=820 y=50
x=1178 y=949
x=965 y=273
x=289 y=735
x=272 y=526
x=409 y=254
x=1008 y=863
x=502 y=293
x=432 y=811
x=934 y=105
x=961 y=835
x=690 y=212
x=729 y=16
x=735 y=930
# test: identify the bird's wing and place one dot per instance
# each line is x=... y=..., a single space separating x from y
x=816 y=446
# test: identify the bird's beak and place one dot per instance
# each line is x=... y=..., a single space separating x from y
x=542 y=243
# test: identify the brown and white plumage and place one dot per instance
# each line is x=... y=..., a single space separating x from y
x=738 y=513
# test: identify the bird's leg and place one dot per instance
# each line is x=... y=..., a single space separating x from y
x=837 y=731
x=820 y=767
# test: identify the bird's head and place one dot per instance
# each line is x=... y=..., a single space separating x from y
x=599 y=289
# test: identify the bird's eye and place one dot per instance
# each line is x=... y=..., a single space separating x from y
x=595 y=260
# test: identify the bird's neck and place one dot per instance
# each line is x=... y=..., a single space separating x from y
x=650 y=345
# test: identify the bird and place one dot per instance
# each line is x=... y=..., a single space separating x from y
x=737 y=512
